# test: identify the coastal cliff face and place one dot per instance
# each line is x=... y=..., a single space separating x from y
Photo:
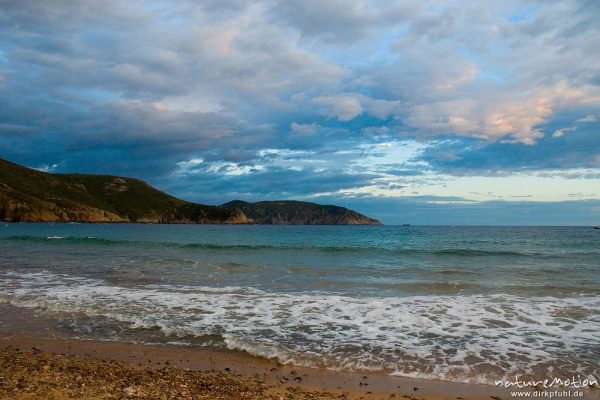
x=15 y=211
x=299 y=213
x=28 y=195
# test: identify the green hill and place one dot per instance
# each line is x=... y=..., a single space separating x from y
x=28 y=195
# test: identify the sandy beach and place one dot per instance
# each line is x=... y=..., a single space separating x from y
x=35 y=368
x=37 y=361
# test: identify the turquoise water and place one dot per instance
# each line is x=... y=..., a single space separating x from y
x=464 y=303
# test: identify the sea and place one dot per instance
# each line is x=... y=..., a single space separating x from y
x=467 y=304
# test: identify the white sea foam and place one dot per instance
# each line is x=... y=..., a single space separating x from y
x=464 y=338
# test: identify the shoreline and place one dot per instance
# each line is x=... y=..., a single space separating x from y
x=29 y=341
x=26 y=336
x=265 y=378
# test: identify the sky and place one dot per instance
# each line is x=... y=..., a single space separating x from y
x=420 y=112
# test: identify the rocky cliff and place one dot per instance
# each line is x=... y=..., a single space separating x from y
x=299 y=213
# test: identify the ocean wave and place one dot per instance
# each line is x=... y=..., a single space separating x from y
x=454 y=337
x=64 y=240
x=392 y=251
x=466 y=252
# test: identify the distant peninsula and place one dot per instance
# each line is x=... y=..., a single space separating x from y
x=28 y=195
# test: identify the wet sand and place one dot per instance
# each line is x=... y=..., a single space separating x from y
x=60 y=368
x=39 y=362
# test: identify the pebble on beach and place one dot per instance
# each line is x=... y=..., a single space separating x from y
x=34 y=374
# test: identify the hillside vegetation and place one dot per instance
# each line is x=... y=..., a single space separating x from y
x=28 y=195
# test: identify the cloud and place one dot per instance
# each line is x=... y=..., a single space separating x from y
x=343 y=107
x=346 y=107
x=588 y=118
x=222 y=182
x=269 y=91
x=469 y=156
x=496 y=118
x=561 y=132
x=15 y=129
x=304 y=129
x=330 y=21
x=47 y=168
